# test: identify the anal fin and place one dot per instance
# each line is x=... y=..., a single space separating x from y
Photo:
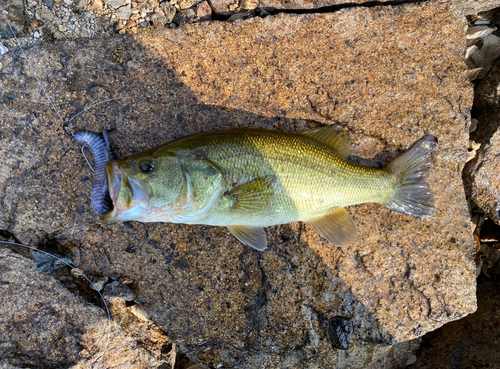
x=337 y=227
x=254 y=237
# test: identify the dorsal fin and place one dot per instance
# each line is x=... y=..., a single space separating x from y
x=333 y=137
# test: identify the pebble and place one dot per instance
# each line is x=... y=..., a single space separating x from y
x=99 y=283
x=140 y=313
x=117 y=290
x=3 y=49
x=186 y=4
x=158 y=19
x=203 y=11
x=124 y=12
x=115 y=4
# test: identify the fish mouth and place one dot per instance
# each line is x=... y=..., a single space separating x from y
x=115 y=178
x=128 y=196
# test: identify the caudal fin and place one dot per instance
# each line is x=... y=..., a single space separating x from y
x=412 y=196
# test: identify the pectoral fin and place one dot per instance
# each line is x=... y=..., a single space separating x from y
x=254 y=237
x=337 y=227
x=252 y=196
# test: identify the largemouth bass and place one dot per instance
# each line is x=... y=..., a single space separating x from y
x=249 y=178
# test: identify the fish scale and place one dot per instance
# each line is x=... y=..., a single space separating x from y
x=312 y=178
x=249 y=178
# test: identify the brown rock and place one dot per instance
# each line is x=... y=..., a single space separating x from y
x=468 y=343
x=487 y=92
x=389 y=75
x=221 y=6
x=15 y=16
x=203 y=11
x=47 y=326
x=458 y=7
x=470 y=7
x=485 y=179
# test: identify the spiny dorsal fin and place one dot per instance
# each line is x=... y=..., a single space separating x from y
x=331 y=136
x=254 y=237
x=252 y=196
x=337 y=227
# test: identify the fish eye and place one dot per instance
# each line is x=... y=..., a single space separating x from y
x=147 y=166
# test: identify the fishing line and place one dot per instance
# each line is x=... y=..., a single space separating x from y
x=81 y=274
x=29 y=64
x=70 y=131
x=66 y=128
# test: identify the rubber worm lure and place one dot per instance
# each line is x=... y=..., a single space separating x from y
x=101 y=152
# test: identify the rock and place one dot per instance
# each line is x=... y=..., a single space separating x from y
x=47 y=326
x=468 y=343
x=99 y=283
x=246 y=5
x=158 y=20
x=16 y=17
x=388 y=75
x=124 y=13
x=221 y=6
x=168 y=10
x=115 y=4
x=483 y=48
x=46 y=263
x=186 y=4
x=80 y=5
x=487 y=92
x=117 y=290
x=184 y=16
x=469 y=7
x=485 y=180
x=203 y=11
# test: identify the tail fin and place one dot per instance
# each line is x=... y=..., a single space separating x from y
x=412 y=196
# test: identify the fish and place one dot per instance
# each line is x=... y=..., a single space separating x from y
x=249 y=178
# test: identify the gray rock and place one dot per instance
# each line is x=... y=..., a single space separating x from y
x=115 y=4
x=45 y=324
x=168 y=10
x=124 y=12
x=117 y=290
x=158 y=20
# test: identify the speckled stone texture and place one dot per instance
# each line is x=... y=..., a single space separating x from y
x=227 y=6
x=468 y=343
x=471 y=7
x=485 y=185
x=388 y=75
x=485 y=179
x=44 y=325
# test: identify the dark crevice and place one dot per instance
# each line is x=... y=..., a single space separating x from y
x=264 y=12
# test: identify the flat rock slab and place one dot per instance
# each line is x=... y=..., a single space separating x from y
x=44 y=325
x=388 y=75
x=469 y=343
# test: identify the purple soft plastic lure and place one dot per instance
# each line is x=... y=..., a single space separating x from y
x=99 y=147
